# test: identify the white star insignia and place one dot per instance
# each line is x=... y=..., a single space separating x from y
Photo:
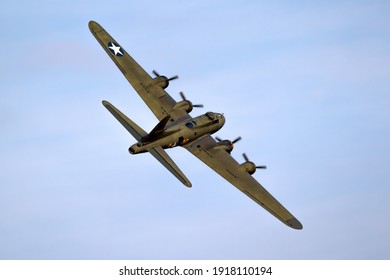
x=115 y=49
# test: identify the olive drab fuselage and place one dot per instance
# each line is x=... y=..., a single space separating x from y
x=178 y=134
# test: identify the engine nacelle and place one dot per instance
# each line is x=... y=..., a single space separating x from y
x=161 y=81
x=225 y=145
x=249 y=167
x=185 y=105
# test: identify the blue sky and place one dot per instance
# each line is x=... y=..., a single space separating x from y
x=306 y=85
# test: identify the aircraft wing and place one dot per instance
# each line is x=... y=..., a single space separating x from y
x=157 y=99
x=226 y=166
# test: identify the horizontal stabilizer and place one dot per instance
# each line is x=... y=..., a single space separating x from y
x=157 y=151
x=137 y=132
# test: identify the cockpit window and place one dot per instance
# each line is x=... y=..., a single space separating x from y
x=211 y=115
x=191 y=124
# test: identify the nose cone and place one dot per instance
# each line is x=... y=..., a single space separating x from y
x=222 y=120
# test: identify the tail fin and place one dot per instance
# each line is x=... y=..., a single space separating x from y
x=138 y=133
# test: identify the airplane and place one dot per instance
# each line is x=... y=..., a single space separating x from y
x=176 y=128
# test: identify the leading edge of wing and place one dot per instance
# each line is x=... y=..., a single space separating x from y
x=157 y=99
x=133 y=72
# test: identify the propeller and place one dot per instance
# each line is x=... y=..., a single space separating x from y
x=229 y=144
x=170 y=79
x=233 y=142
x=257 y=167
x=185 y=99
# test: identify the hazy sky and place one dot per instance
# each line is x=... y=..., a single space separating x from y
x=306 y=84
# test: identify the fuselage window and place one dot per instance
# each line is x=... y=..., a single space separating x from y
x=191 y=124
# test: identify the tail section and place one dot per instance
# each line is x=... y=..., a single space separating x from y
x=157 y=151
x=158 y=129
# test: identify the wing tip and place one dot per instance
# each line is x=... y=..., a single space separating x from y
x=93 y=25
x=107 y=104
x=294 y=223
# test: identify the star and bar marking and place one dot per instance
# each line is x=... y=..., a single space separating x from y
x=115 y=49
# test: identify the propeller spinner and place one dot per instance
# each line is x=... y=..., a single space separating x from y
x=170 y=79
x=185 y=99
x=229 y=144
x=185 y=104
x=248 y=161
x=163 y=79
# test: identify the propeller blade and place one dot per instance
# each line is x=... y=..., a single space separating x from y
x=219 y=139
x=245 y=157
x=237 y=139
x=185 y=99
x=182 y=95
x=257 y=167
x=261 y=167
x=170 y=79
x=173 y=78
